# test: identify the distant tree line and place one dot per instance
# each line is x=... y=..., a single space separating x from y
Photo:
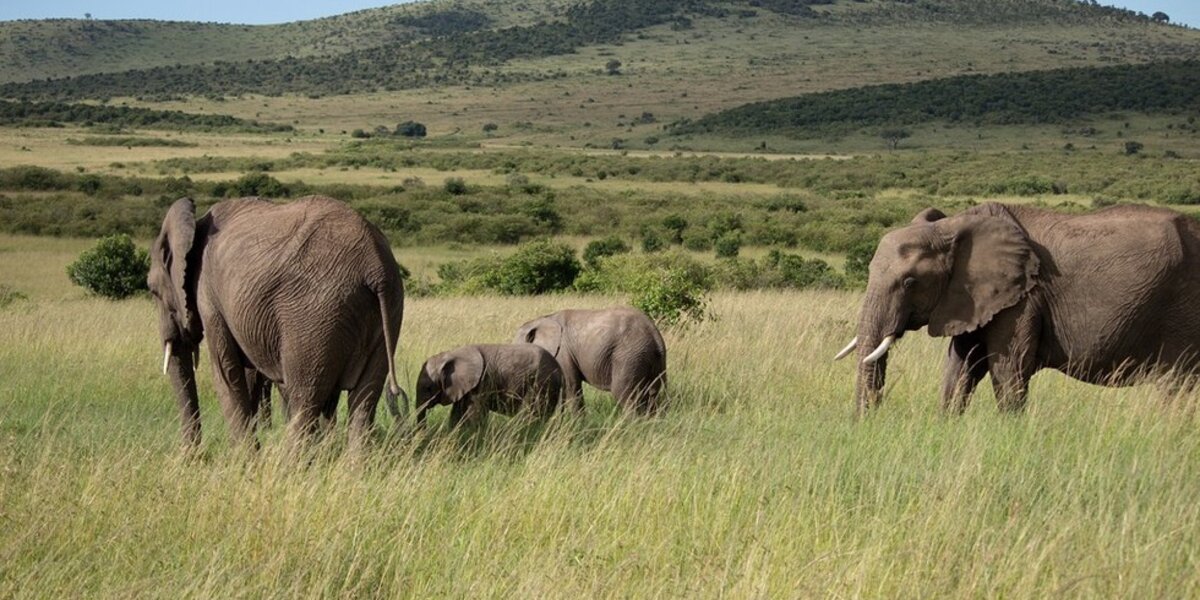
x=1008 y=98
x=50 y=114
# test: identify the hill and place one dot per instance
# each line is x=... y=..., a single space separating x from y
x=452 y=43
x=1034 y=97
x=56 y=48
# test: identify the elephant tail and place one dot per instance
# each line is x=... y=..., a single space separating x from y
x=392 y=389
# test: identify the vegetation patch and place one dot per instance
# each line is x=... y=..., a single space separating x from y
x=130 y=141
x=54 y=114
x=1056 y=96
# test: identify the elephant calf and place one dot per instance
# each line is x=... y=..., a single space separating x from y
x=500 y=377
x=615 y=349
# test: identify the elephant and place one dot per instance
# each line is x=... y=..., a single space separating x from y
x=478 y=378
x=306 y=293
x=1107 y=298
x=614 y=349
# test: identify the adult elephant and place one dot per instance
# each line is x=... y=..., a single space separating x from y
x=1105 y=297
x=306 y=293
x=615 y=349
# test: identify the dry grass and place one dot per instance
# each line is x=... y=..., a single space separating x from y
x=756 y=483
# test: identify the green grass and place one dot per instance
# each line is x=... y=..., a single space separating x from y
x=756 y=482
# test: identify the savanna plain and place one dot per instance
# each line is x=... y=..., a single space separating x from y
x=625 y=129
x=756 y=482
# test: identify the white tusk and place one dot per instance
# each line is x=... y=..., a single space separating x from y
x=881 y=350
x=845 y=351
x=166 y=356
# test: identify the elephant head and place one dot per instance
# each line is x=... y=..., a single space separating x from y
x=174 y=265
x=447 y=378
x=546 y=332
x=952 y=274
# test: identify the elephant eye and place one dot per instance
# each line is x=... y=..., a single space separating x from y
x=909 y=283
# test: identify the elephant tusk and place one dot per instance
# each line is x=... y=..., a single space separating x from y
x=845 y=351
x=166 y=356
x=881 y=350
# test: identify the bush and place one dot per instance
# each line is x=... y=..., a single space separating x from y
x=114 y=268
x=728 y=245
x=259 y=184
x=598 y=249
x=858 y=262
x=672 y=298
x=535 y=268
x=410 y=129
x=652 y=242
x=455 y=185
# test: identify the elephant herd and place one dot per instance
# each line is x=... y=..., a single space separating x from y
x=308 y=297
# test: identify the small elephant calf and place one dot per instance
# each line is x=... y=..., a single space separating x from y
x=500 y=377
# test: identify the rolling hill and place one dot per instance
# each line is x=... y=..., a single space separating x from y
x=453 y=42
x=55 y=48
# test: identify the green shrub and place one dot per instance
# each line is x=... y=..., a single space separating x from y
x=728 y=245
x=697 y=240
x=652 y=242
x=535 y=268
x=113 y=268
x=598 y=249
x=858 y=262
x=455 y=186
x=410 y=129
x=797 y=272
x=670 y=288
x=259 y=184
x=672 y=298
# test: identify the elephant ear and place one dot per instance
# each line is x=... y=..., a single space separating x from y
x=546 y=333
x=460 y=372
x=174 y=244
x=928 y=215
x=994 y=266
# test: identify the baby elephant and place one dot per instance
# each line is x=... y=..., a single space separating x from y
x=615 y=349
x=500 y=377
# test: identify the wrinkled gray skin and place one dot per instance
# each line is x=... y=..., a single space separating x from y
x=260 y=392
x=614 y=349
x=500 y=377
x=306 y=293
x=1107 y=297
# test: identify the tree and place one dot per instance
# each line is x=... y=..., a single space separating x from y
x=1161 y=17
x=894 y=136
x=114 y=268
x=490 y=127
x=613 y=67
x=1132 y=148
x=87 y=16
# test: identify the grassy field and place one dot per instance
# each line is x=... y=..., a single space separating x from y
x=756 y=482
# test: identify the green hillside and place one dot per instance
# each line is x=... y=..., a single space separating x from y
x=491 y=43
x=54 y=48
x=1033 y=97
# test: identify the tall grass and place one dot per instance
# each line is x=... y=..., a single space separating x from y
x=755 y=483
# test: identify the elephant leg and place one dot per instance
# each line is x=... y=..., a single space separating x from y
x=573 y=388
x=363 y=400
x=636 y=391
x=312 y=409
x=229 y=381
x=1012 y=357
x=966 y=365
x=468 y=410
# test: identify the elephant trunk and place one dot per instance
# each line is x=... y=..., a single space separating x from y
x=181 y=368
x=877 y=323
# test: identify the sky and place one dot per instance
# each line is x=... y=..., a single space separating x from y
x=282 y=11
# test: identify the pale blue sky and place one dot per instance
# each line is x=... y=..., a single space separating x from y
x=279 y=11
